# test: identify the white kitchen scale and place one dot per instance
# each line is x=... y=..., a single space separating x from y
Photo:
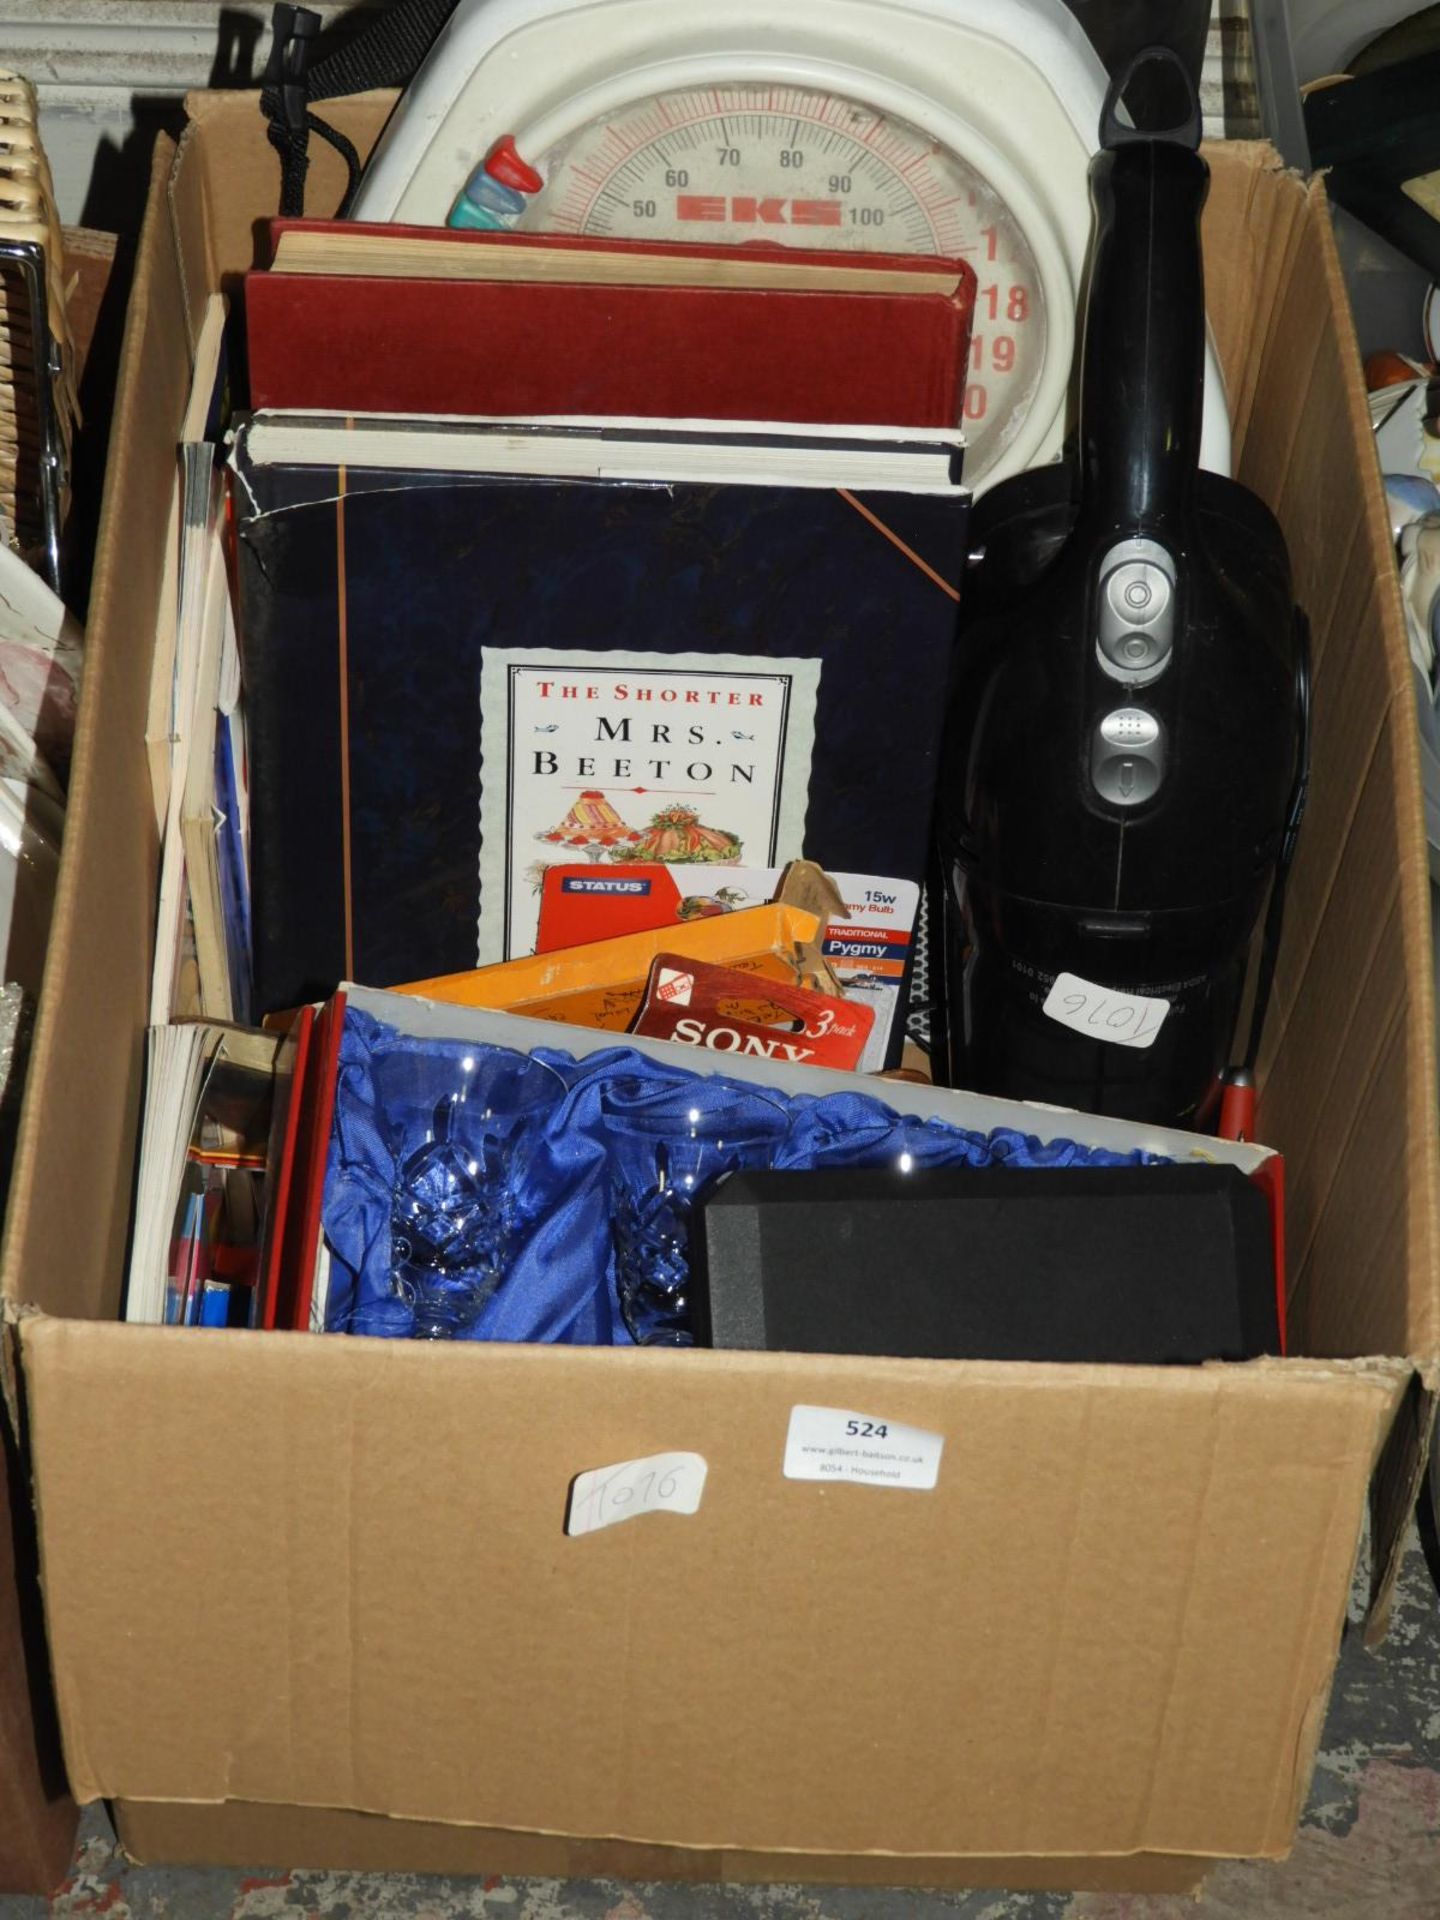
x=907 y=126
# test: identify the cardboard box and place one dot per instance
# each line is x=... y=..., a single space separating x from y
x=334 y=1616
x=37 y=1816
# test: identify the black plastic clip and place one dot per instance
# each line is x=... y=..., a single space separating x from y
x=294 y=31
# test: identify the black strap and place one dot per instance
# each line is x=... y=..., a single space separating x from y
x=387 y=54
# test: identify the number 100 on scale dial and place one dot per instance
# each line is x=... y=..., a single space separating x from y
x=792 y=165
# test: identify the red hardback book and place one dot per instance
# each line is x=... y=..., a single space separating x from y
x=850 y=339
x=285 y=1133
x=308 y=1192
x=301 y=1186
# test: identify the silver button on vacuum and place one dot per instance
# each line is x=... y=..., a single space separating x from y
x=1127 y=757
x=1137 y=607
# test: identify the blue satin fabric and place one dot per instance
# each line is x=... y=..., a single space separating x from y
x=572 y=1134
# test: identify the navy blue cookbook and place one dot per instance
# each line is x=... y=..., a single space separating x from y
x=456 y=679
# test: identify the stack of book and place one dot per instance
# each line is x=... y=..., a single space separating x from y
x=561 y=562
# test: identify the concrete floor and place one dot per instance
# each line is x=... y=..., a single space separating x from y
x=1369 y=1848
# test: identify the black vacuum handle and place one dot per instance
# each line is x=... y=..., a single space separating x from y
x=1143 y=362
x=1184 y=132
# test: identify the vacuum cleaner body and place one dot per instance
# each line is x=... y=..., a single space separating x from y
x=1124 y=745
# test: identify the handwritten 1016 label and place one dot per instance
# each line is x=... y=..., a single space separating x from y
x=1102 y=1013
x=658 y=1483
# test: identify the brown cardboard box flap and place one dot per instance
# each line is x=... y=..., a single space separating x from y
x=242 y=1835
x=1109 y=1628
x=1348 y=1068
x=37 y=1815
x=74 y=1161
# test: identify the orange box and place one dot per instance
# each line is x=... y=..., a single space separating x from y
x=602 y=984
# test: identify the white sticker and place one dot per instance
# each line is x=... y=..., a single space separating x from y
x=660 y=1483
x=1101 y=1013
x=674 y=988
x=832 y=1443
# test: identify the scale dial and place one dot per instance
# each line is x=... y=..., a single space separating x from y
x=791 y=164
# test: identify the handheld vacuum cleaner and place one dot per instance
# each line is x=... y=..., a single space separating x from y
x=1127 y=745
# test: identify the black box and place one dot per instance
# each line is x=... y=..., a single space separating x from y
x=1143 y=1264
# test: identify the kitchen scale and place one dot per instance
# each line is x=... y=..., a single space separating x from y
x=925 y=126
